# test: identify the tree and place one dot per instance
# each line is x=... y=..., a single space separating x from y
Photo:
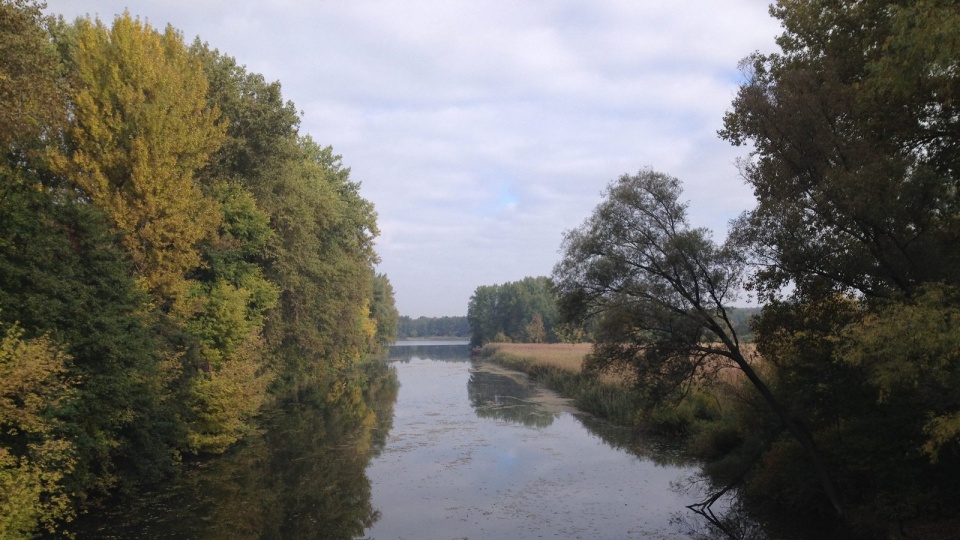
x=141 y=127
x=319 y=254
x=856 y=134
x=31 y=99
x=229 y=300
x=62 y=274
x=35 y=456
x=323 y=256
x=855 y=130
x=509 y=309
x=660 y=291
x=423 y=327
x=383 y=311
x=535 y=330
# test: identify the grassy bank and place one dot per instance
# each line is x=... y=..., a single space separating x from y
x=612 y=397
x=559 y=367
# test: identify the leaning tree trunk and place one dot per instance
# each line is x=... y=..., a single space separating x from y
x=792 y=425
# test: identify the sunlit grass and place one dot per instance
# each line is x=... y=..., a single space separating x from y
x=561 y=355
x=559 y=366
x=612 y=395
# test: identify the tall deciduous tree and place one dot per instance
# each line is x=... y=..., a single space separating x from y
x=856 y=133
x=320 y=251
x=660 y=291
x=141 y=127
x=383 y=311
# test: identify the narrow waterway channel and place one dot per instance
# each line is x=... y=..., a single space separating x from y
x=476 y=451
x=429 y=446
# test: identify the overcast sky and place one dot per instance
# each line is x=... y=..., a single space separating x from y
x=482 y=130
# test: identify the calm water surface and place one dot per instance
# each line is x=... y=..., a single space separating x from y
x=429 y=446
x=477 y=452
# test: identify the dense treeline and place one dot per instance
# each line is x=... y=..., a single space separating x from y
x=518 y=311
x=850 y=407
x=425 y=327
x=174 y=255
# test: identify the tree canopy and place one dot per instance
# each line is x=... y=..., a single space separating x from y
x=660 y=292
x=425 y=327
x=854 y=130
x=509 y=312
x=175 y=256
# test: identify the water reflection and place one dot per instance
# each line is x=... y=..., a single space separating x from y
x=508 y=396
x=440 y=351
x=506 y=459
x=302 y=477
x=502 y=394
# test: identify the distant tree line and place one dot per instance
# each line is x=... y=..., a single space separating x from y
x=426 y=327
x=518 y=311
x=174 y=255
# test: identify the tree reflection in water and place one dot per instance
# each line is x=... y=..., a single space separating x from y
x=507 y=396
x=728 y=517
x=303 y=476
x=439 y=352
x=731 y=523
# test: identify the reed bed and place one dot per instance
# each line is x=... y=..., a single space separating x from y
x=613 y=395
x=561 y=355
x=559 y=366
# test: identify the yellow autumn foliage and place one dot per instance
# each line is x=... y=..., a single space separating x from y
x=225 y=398
x=141 y=127
x=33 y=459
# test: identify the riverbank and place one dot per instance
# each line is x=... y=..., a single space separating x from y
x=559 y=366
x=717 y=423
x=610 y=396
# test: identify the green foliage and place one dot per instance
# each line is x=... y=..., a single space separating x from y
x=425 y=327
x=30 y=95
x=225 y=397
x=323 y=254
x=383 y=310
x=34 y=454
x=659 y=292
x=655 y=287
x=503 y=313
x=909 y=354
x=856 y=151
x=62 y=274
x=319 y=253
x=855 y=134
x=161 y=264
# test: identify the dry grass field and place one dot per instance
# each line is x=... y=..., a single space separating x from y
x=563 y=355
x=570 y=357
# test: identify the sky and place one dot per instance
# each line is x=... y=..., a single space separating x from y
x=481 y=130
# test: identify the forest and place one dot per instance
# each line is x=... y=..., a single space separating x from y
x=175 y=255
x=517 y=311
x=432 y=327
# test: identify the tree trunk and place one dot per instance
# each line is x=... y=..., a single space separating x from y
x=792 y=425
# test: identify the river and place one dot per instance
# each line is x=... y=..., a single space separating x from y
x=429 y=446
